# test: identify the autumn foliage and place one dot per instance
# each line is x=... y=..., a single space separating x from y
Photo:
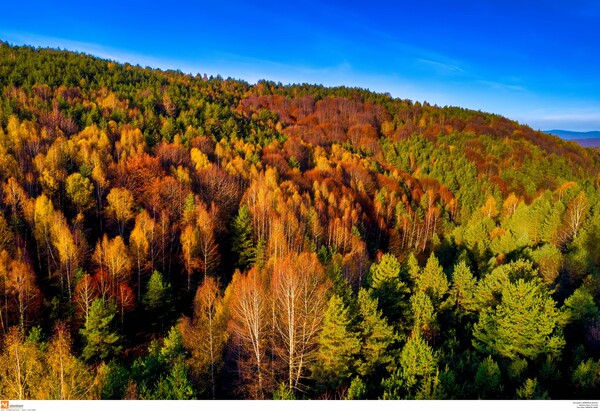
x=169 y=236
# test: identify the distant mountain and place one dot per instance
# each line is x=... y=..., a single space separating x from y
x=588 y=142
x=574 y=135
x=584 y=139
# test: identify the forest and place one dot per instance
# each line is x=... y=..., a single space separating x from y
x=170 y=236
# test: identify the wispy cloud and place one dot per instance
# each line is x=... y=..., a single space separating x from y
x=571 y=118
x=441 y=67
x=501 y=86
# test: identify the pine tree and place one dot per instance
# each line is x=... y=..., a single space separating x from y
x=176 y=385
x=423 y=314
x=243 y=243
x=462 y=291
x=488 y=379
x=416 y=370
x=388 y=288
x=525 y=324
x=158 y=300
x=376 y=337
x=101 y=341
x=338 y=347
x=433 y=280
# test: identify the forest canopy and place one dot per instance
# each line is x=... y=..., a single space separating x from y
x=170 y=236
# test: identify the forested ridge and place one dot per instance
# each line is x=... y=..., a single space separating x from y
x=169 y=236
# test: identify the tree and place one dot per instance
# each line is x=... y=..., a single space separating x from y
x=299 y=286
x=417 y=361
x=205 y=335
x=139 y=244
x=112 y=255
x=433 y=280
x=388 y=287
x=69 y=378
x=21 y=285
x=21 y=367
x=581 y=308
x=247 y=302
x=43 y=220
x=79 y=190
x=125 y=301
x=86 y=291
x=575 y=214
x=524 y=325
x=423 y=314
x=189 y=249
x=120 y=206
x=64 y=242
x=462 y=290
x=176 y=385
x=416 y=372
x=339 y=347
x=488 y=379
x=7 y=238
x=209 y=250
x=376 y=335
x=243 y=238
x=158 y=299
x=101 y=342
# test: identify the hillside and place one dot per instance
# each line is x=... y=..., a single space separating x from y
x=172 y=236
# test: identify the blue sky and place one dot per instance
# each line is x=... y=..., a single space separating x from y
x=537 y=62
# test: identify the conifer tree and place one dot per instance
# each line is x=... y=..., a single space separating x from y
x=387 y=286
x=243 y=243
x=158 y=300
x=488 y=379
x=462 y=290
x=376 y=335
x=338 y=347
x=101 y=341
x=524 y=325
x=433 y=280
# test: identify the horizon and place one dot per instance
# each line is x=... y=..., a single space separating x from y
x=531 y=64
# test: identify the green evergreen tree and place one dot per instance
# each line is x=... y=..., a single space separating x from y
x=433 y=280
x=338 y=347
x=416 y=372
x=580 y=307
x=387 y=286
x=422 y=313
x=101 y=341
x=531 y=390
x=357 y=389
x=417 y=361
x=176 y=385
x=488 y=380
x=243 y=241
x=462 y=290
x=377 y=337
x=284 y=392
x=385 y=272
x=158 y=300
x=413 y=268
x=525 y=324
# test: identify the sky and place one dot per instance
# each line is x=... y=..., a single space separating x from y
x=537 y=62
